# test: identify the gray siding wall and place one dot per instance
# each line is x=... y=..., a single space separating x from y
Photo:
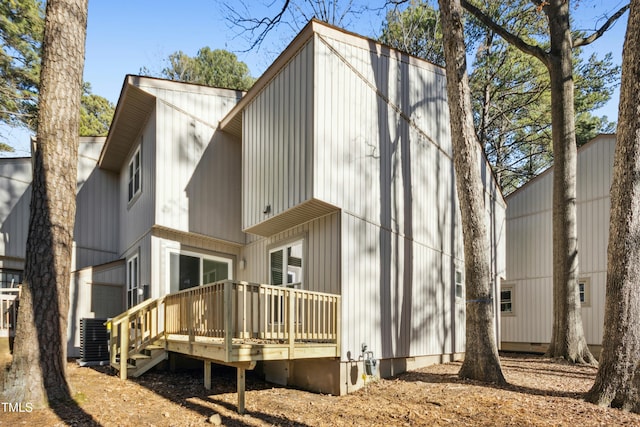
x=529 y=247
x=382 y=153
x=97 y=205
x=198 y=178
x=277 y=141
x=95 y=292
x=137 y=217
x=400 y=244
x=15 y=196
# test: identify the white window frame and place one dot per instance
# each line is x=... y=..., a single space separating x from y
x=134 y=175
x=201 y=256
x=458 y=284
x=133 y=281
x=584 y=290
x=298 y=278
x=511 y=289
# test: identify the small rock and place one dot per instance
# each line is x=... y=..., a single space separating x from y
x=166 y=414
x=215 y=419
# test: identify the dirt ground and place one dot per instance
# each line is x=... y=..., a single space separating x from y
x=541 y=392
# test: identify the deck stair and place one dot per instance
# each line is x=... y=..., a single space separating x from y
x=136 y=343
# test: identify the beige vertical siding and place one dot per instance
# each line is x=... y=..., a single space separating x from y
x=137 y=218
x=377 y=146
x=198 y=176
x=382 y=153
x=277 y=124
x=529 y=247
x=97 y=205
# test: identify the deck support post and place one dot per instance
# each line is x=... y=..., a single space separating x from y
x=291 y=324
x=241 y=388
x=228 y=322
x=207 y=374
x=124 y=348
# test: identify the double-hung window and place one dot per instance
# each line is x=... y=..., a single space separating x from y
x=134 y=175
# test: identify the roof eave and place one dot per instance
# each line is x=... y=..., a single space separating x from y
x=132 y=111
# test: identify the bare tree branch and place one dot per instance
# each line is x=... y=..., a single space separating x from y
x=264 y=25
x=516 y=41
x=583 y=41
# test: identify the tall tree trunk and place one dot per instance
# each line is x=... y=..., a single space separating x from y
x=567 y=337
x=618 y=380
x=38 y=370
x=481 y=354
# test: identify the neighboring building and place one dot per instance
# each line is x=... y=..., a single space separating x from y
x=98 y=277
x=527 y=293
x=334 y=173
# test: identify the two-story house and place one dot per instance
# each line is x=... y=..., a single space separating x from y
x=332 y=175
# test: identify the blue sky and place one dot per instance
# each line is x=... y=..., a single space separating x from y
x=124 y=36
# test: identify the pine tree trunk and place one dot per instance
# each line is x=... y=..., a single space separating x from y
x=618 y=380
x=38 y=370
x=481 y=354
x=567 y=337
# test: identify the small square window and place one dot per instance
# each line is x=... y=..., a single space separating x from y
x=507 y=295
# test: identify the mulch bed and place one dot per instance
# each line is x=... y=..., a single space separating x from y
x=540 y=392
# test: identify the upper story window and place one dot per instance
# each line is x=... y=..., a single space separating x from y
x=134 y=175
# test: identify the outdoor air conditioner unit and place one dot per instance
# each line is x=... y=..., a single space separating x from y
x=94 y=342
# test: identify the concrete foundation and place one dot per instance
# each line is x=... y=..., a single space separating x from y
x=332 y=376
x=541 y=348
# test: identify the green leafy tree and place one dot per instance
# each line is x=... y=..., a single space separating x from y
x=21 y=29
x=219 y=68
x=415 y=30
x=510 y=90
x=96 y=113
x=21 y=32
x=556 y=49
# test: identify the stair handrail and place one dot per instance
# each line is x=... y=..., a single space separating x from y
x=120 y=333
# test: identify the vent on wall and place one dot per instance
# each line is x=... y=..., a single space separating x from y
x=94 y=342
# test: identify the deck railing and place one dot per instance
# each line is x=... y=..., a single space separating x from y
x=9 y=298
x=249 y=311
x=231 y=311
x=135 y=329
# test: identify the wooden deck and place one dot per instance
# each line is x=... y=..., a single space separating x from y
x=229 y=322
